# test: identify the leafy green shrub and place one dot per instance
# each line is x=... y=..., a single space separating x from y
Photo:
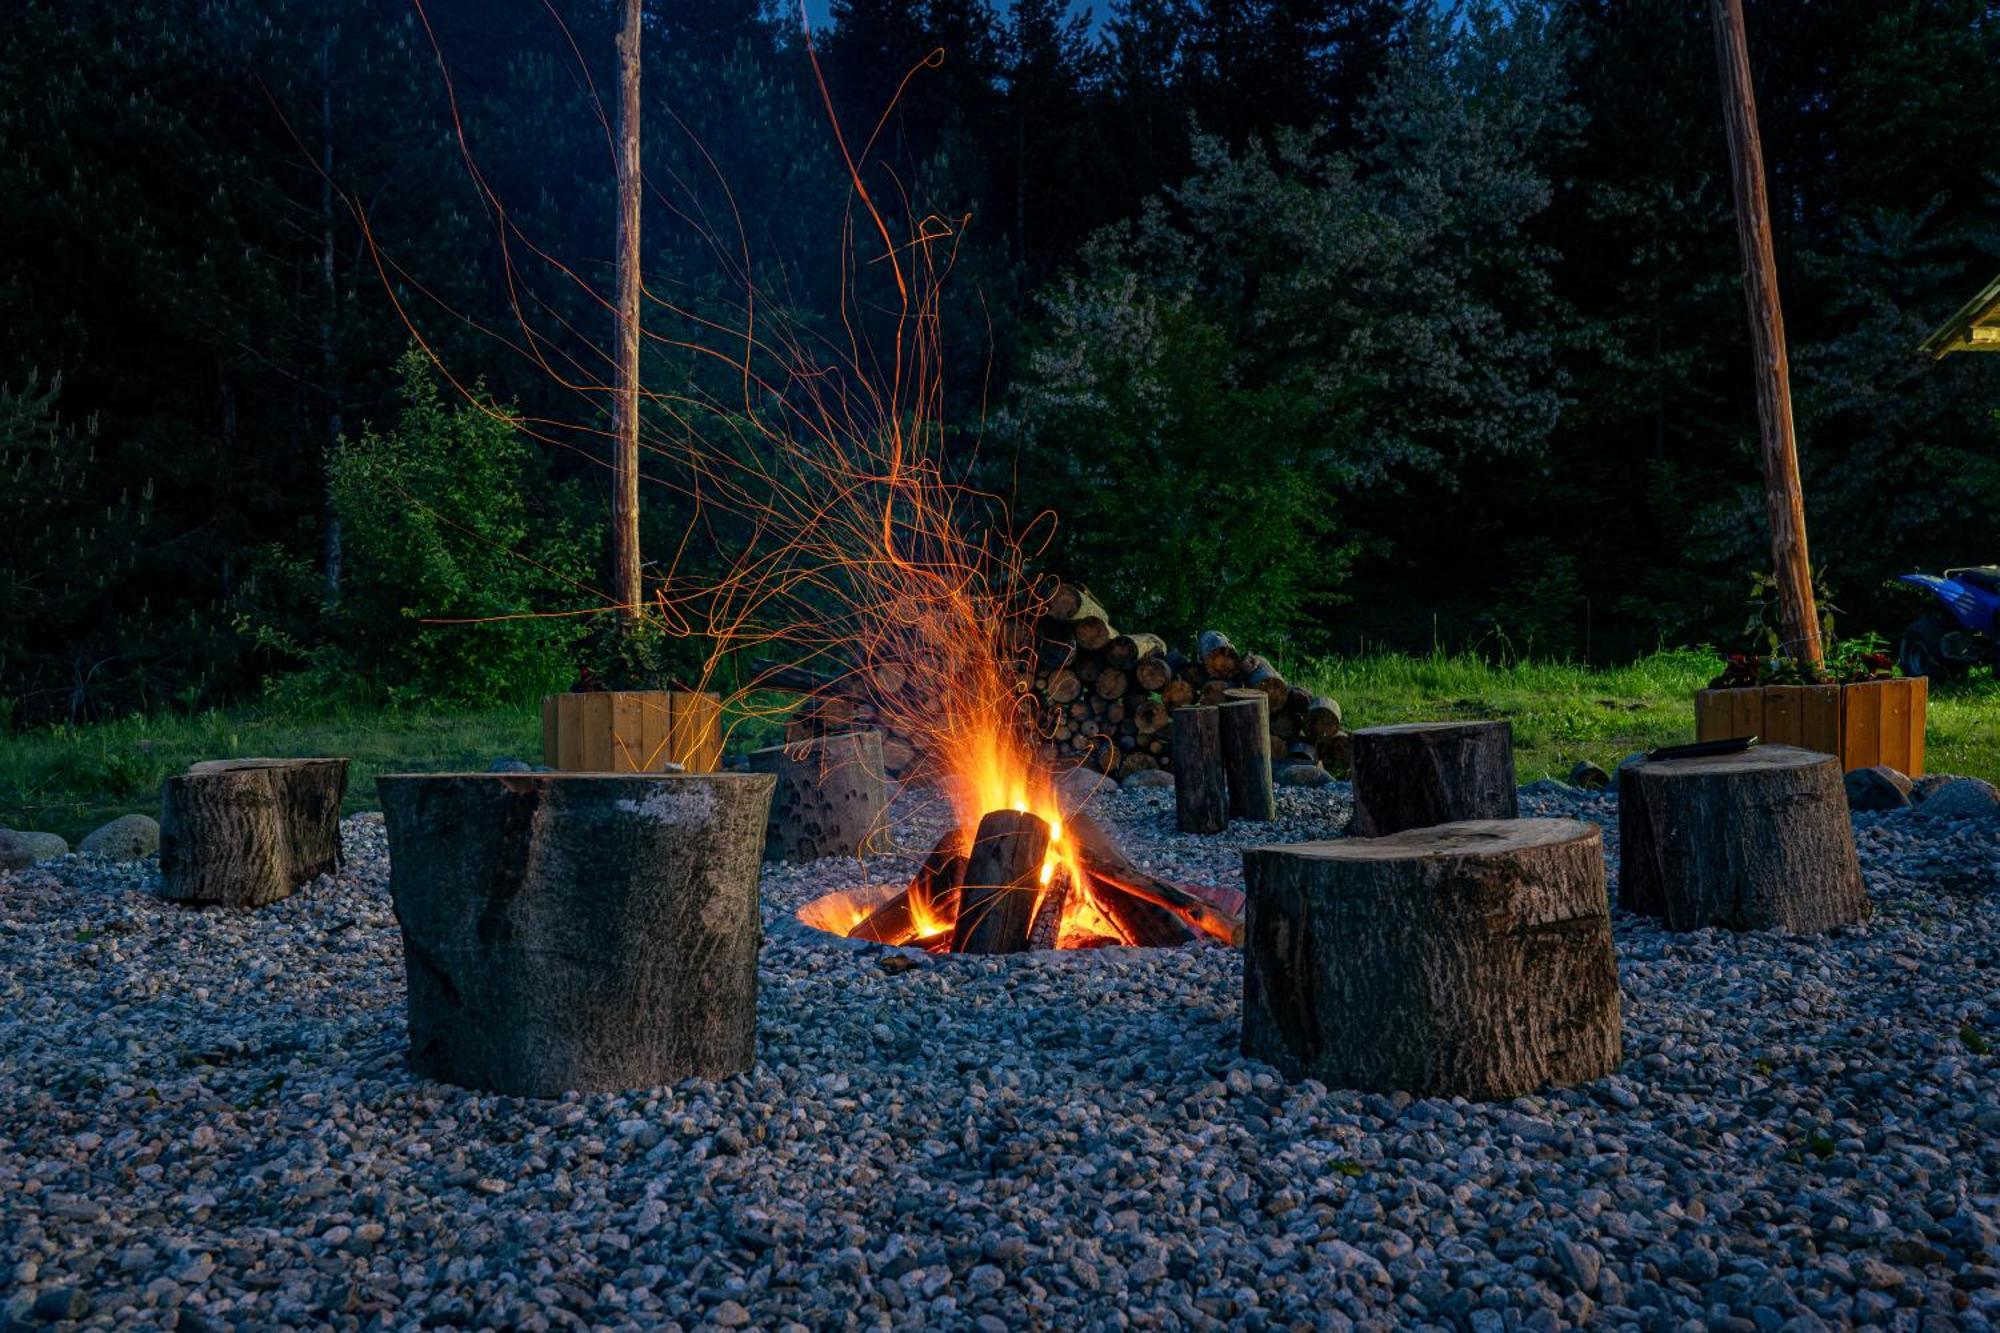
x=449 y=557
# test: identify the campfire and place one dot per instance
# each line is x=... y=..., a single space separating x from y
x=1031 y=879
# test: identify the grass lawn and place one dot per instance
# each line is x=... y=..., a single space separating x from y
x=69 y=780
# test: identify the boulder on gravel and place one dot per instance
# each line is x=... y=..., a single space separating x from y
x=1147 y=777
x=126 y=838
x=1588 y=776
x=45 y=846
x=1877 y=788
x=1961 y=798
x=1550 y=787
x=1921 y=789
x=1637 y=756
x=1299 y=775
x=14 y=853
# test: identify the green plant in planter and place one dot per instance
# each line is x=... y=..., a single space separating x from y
x=1864 y=657
x=642 y=656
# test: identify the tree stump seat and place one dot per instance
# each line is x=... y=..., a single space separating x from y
x=831 y=797
x=1468 y=959
x=578 y=931
x=249 y=832
x=1420 y=774
x=1756 y=840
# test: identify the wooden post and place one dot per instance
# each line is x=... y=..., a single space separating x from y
x=1784 y=501
x=1245 y=722
x=1201 y=795
x=625 y=392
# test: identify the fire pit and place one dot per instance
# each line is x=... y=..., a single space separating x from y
x=1022 y=881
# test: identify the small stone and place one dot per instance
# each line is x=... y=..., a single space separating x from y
x=1581 y=1263
x=1147 y=777
x=1588 y=776
x=895 y=964
x=1302 y=775
x=60 y=1303
x=985 y=1280
x=730 y=1314
x=126 y=838
x=1877 y=788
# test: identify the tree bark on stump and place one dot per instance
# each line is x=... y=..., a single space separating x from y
x=1201 y=793
x=1426 y=773
x=578 y=931
x=1757 y=840
x=1469 y=959
x=830 y=798
x=996 y=905
x=1245 y=724
x=249 y=832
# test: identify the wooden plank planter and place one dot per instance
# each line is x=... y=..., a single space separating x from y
x=632 y=731
x=1870 y=722
x=585 y=932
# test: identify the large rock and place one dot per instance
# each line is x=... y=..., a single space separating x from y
x=1302 y=775
x=1876 y=788
x=1588 y=776
x=1921 y=789
x=1962 y=798
x=126 y=838
x=1147 y=777
x=45 y=846
x=14 y=852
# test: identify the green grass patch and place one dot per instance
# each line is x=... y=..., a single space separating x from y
x=68 y=780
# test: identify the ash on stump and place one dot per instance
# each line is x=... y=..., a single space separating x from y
x=1755 y=840
x=578 y=931
x=830 y=796
x=248 y=832
x=1426 y=773
x=1469 y=959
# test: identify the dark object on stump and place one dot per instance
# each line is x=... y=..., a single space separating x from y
x=829 y=799
x=1756 y=840
x=248 y=832
x=1469 y=959
x=1201 y=794
x=1245 y=723
x=1426 y=773
x=578 y=931
x=996 y=905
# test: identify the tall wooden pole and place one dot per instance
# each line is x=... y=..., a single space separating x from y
x=625 y=393
x=1784 y=500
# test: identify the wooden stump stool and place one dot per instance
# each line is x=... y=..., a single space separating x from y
x=1244 y=719
x=1201 y=792
x=1425 y=773
x=1470 y=959
x=578 y=931
x=248 y=832
x=830 y=798
x=1755 y=840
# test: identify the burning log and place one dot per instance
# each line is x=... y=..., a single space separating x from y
x=997 y=901
x=931 y=898
x=1109 y=867
x=1201 y=794
x=1244 y=723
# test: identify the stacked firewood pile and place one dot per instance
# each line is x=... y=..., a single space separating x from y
x=1104 y=700
x=1108 y=698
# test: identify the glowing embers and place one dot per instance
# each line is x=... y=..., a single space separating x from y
x=1021 y=882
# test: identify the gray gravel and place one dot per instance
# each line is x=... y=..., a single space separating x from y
x=205 y=1122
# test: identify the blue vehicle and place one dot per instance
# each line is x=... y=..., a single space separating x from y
x=1963 y=632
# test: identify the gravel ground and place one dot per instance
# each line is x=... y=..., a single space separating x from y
x=205 y=1122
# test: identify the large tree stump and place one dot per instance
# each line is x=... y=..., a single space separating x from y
x=1201 y=792
x=1470 y=959
x=578 y=931
x=830 y=797
x=1245 y=722
x=1755 y=840
x=249 y=832
x=996 y=904
x=1425 y=773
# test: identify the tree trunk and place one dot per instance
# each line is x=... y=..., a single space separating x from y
x=996 y=906
x=248 y=832
x=625 y=392
x=1784 y=499
x=1469 y=959
x=1245 y=724
x=1757 y=840
x=1201 y=793
x=830 y=799
x=578 y=931
x=332 y=554
x=1426 y=773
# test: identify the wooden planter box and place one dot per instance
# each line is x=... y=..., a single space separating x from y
x=632 y=731
x=1873 y=722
